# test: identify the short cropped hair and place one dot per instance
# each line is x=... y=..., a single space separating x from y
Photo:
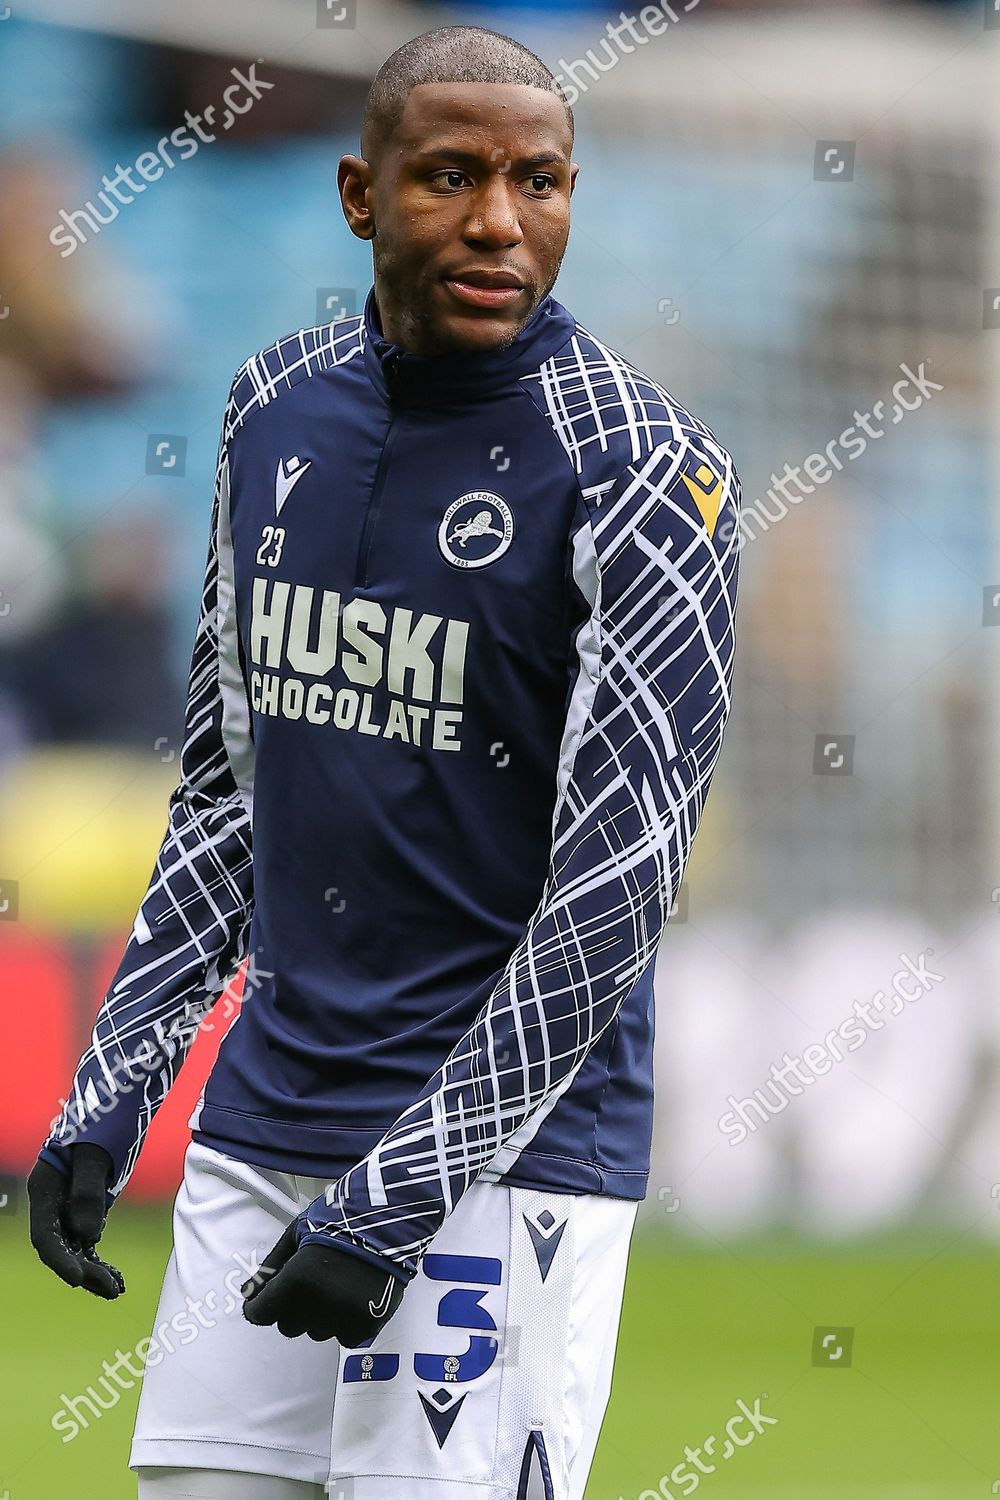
x=448 y=54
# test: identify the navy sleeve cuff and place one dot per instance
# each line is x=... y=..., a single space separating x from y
x=56 y=1156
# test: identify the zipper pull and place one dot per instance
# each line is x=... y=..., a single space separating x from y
x=391 y=368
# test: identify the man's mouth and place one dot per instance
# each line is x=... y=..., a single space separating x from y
x=486 y=289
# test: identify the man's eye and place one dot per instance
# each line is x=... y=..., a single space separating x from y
x=450 y=172
x=543 y=178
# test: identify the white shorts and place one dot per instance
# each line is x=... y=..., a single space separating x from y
x=491 y=1381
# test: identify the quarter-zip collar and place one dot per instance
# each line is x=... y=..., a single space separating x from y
x=465 y=376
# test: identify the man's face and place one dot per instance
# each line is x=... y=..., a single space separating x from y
x=472 y=190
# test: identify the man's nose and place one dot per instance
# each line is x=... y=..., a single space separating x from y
x=495 y=217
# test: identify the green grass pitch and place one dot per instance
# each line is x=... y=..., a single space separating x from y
x=915 y=1416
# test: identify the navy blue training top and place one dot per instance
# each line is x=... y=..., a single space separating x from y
x=458 y=689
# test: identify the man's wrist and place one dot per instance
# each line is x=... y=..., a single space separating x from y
x=350 y=1247
x=58 y=1157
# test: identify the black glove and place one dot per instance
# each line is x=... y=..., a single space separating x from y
x=322 y=1291
x=67 y=1214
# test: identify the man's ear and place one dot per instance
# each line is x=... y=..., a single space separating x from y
x=354 y=180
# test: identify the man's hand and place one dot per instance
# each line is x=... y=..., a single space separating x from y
x=67 y=1215
x=322 y=1291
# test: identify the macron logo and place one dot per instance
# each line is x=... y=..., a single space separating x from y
x=290 y=471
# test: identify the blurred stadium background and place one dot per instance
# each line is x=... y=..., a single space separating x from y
x=778 y=208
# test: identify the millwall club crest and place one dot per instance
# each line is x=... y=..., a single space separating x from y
x=475 y=530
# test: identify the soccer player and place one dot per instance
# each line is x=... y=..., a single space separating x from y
x=458 y=689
